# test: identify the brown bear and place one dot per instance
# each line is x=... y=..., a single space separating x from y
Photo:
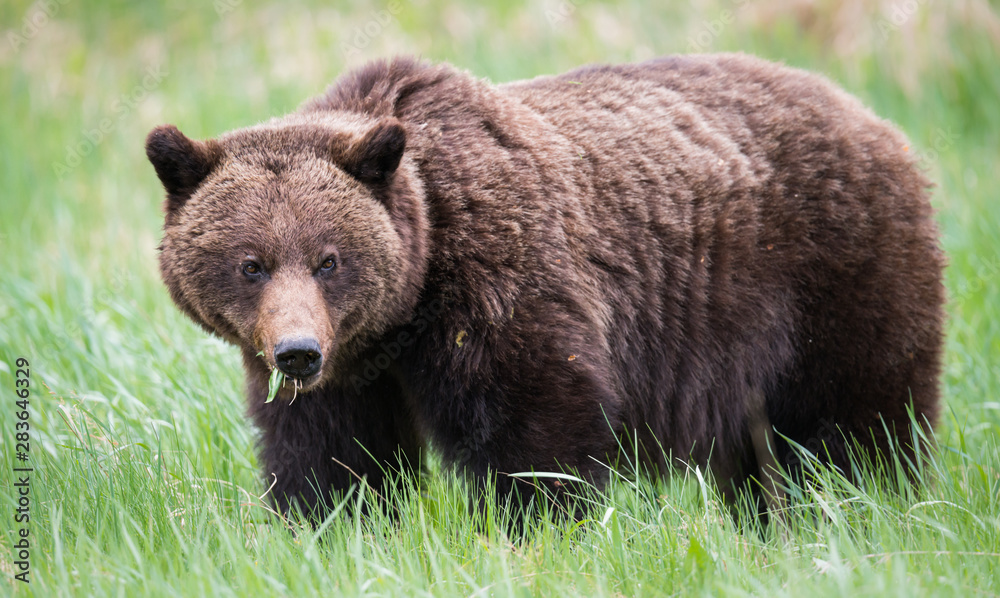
x=700 y=258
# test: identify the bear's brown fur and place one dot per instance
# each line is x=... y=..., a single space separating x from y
x=523 y=275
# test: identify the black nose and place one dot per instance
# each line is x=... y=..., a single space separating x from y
x=298 y=357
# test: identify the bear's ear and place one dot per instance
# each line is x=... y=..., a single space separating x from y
x=374 y=158
x=181 y=163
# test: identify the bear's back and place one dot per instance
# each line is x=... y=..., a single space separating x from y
x=744 y=209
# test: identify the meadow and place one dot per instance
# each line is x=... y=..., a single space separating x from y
x=144 y=479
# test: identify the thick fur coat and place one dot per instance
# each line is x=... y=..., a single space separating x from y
x=525 y=275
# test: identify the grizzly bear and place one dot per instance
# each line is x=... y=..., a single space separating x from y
x=703 y=259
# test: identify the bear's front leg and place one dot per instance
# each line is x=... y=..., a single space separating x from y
x=324 y=442
x=552 y=416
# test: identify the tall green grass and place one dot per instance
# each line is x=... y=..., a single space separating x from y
x=146 y=480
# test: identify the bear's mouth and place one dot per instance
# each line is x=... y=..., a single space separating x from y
x=297 y=364
x=293 y=388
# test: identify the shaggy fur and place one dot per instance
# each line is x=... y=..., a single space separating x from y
x=526 y=274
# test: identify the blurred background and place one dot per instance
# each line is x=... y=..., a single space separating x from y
x=80 y=220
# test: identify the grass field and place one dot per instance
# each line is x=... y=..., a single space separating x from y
x=145 y=480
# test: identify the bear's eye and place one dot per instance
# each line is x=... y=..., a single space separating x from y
x=328 y=264
x=252 y=269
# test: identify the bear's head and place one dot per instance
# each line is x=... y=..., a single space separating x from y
x=299 y=239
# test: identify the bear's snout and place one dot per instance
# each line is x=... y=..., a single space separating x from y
x=295 y=329
x=298 y=357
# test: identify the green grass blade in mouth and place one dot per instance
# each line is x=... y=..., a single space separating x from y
x=277 y=379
